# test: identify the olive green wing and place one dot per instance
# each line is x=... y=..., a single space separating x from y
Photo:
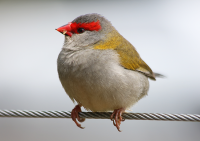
x=130 y=59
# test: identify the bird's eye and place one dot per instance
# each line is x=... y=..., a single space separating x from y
x=80 y=30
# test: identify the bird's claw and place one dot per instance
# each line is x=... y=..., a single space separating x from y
x=74 y=116
x=116 y=117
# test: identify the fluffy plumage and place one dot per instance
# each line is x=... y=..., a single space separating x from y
x=97 y=81
x=101 y=70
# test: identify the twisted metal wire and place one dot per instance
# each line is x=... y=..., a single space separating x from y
x=100 y=115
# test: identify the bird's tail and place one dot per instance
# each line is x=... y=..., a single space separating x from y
x=158 y=75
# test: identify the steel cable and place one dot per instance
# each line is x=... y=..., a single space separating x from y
x=100 y=115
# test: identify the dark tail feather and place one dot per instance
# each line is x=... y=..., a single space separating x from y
x=158 y=75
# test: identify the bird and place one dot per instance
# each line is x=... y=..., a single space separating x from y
x=99 y=69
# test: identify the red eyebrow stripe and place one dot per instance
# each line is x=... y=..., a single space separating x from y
x=87 y=26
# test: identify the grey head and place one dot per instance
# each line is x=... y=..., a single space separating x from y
x=88 y=38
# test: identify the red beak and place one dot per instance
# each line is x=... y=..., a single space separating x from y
x=65 y=29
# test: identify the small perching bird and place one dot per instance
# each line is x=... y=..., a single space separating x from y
x=100 y=69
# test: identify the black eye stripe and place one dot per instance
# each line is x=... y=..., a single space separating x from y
x=80 y=30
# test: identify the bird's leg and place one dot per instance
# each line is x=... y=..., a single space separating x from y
x=116 y=117
x=74 y=116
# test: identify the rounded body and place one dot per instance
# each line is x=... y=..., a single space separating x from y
x=96 y=80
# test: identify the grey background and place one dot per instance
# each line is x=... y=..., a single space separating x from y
x=166 y=33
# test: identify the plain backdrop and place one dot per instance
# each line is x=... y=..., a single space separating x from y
x=166 y=33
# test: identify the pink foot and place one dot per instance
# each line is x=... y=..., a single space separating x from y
x=74 y=116
x=116 y=117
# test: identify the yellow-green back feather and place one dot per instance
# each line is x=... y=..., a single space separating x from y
x=129 y=57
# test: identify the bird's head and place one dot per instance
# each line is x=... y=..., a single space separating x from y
x=86 y=30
